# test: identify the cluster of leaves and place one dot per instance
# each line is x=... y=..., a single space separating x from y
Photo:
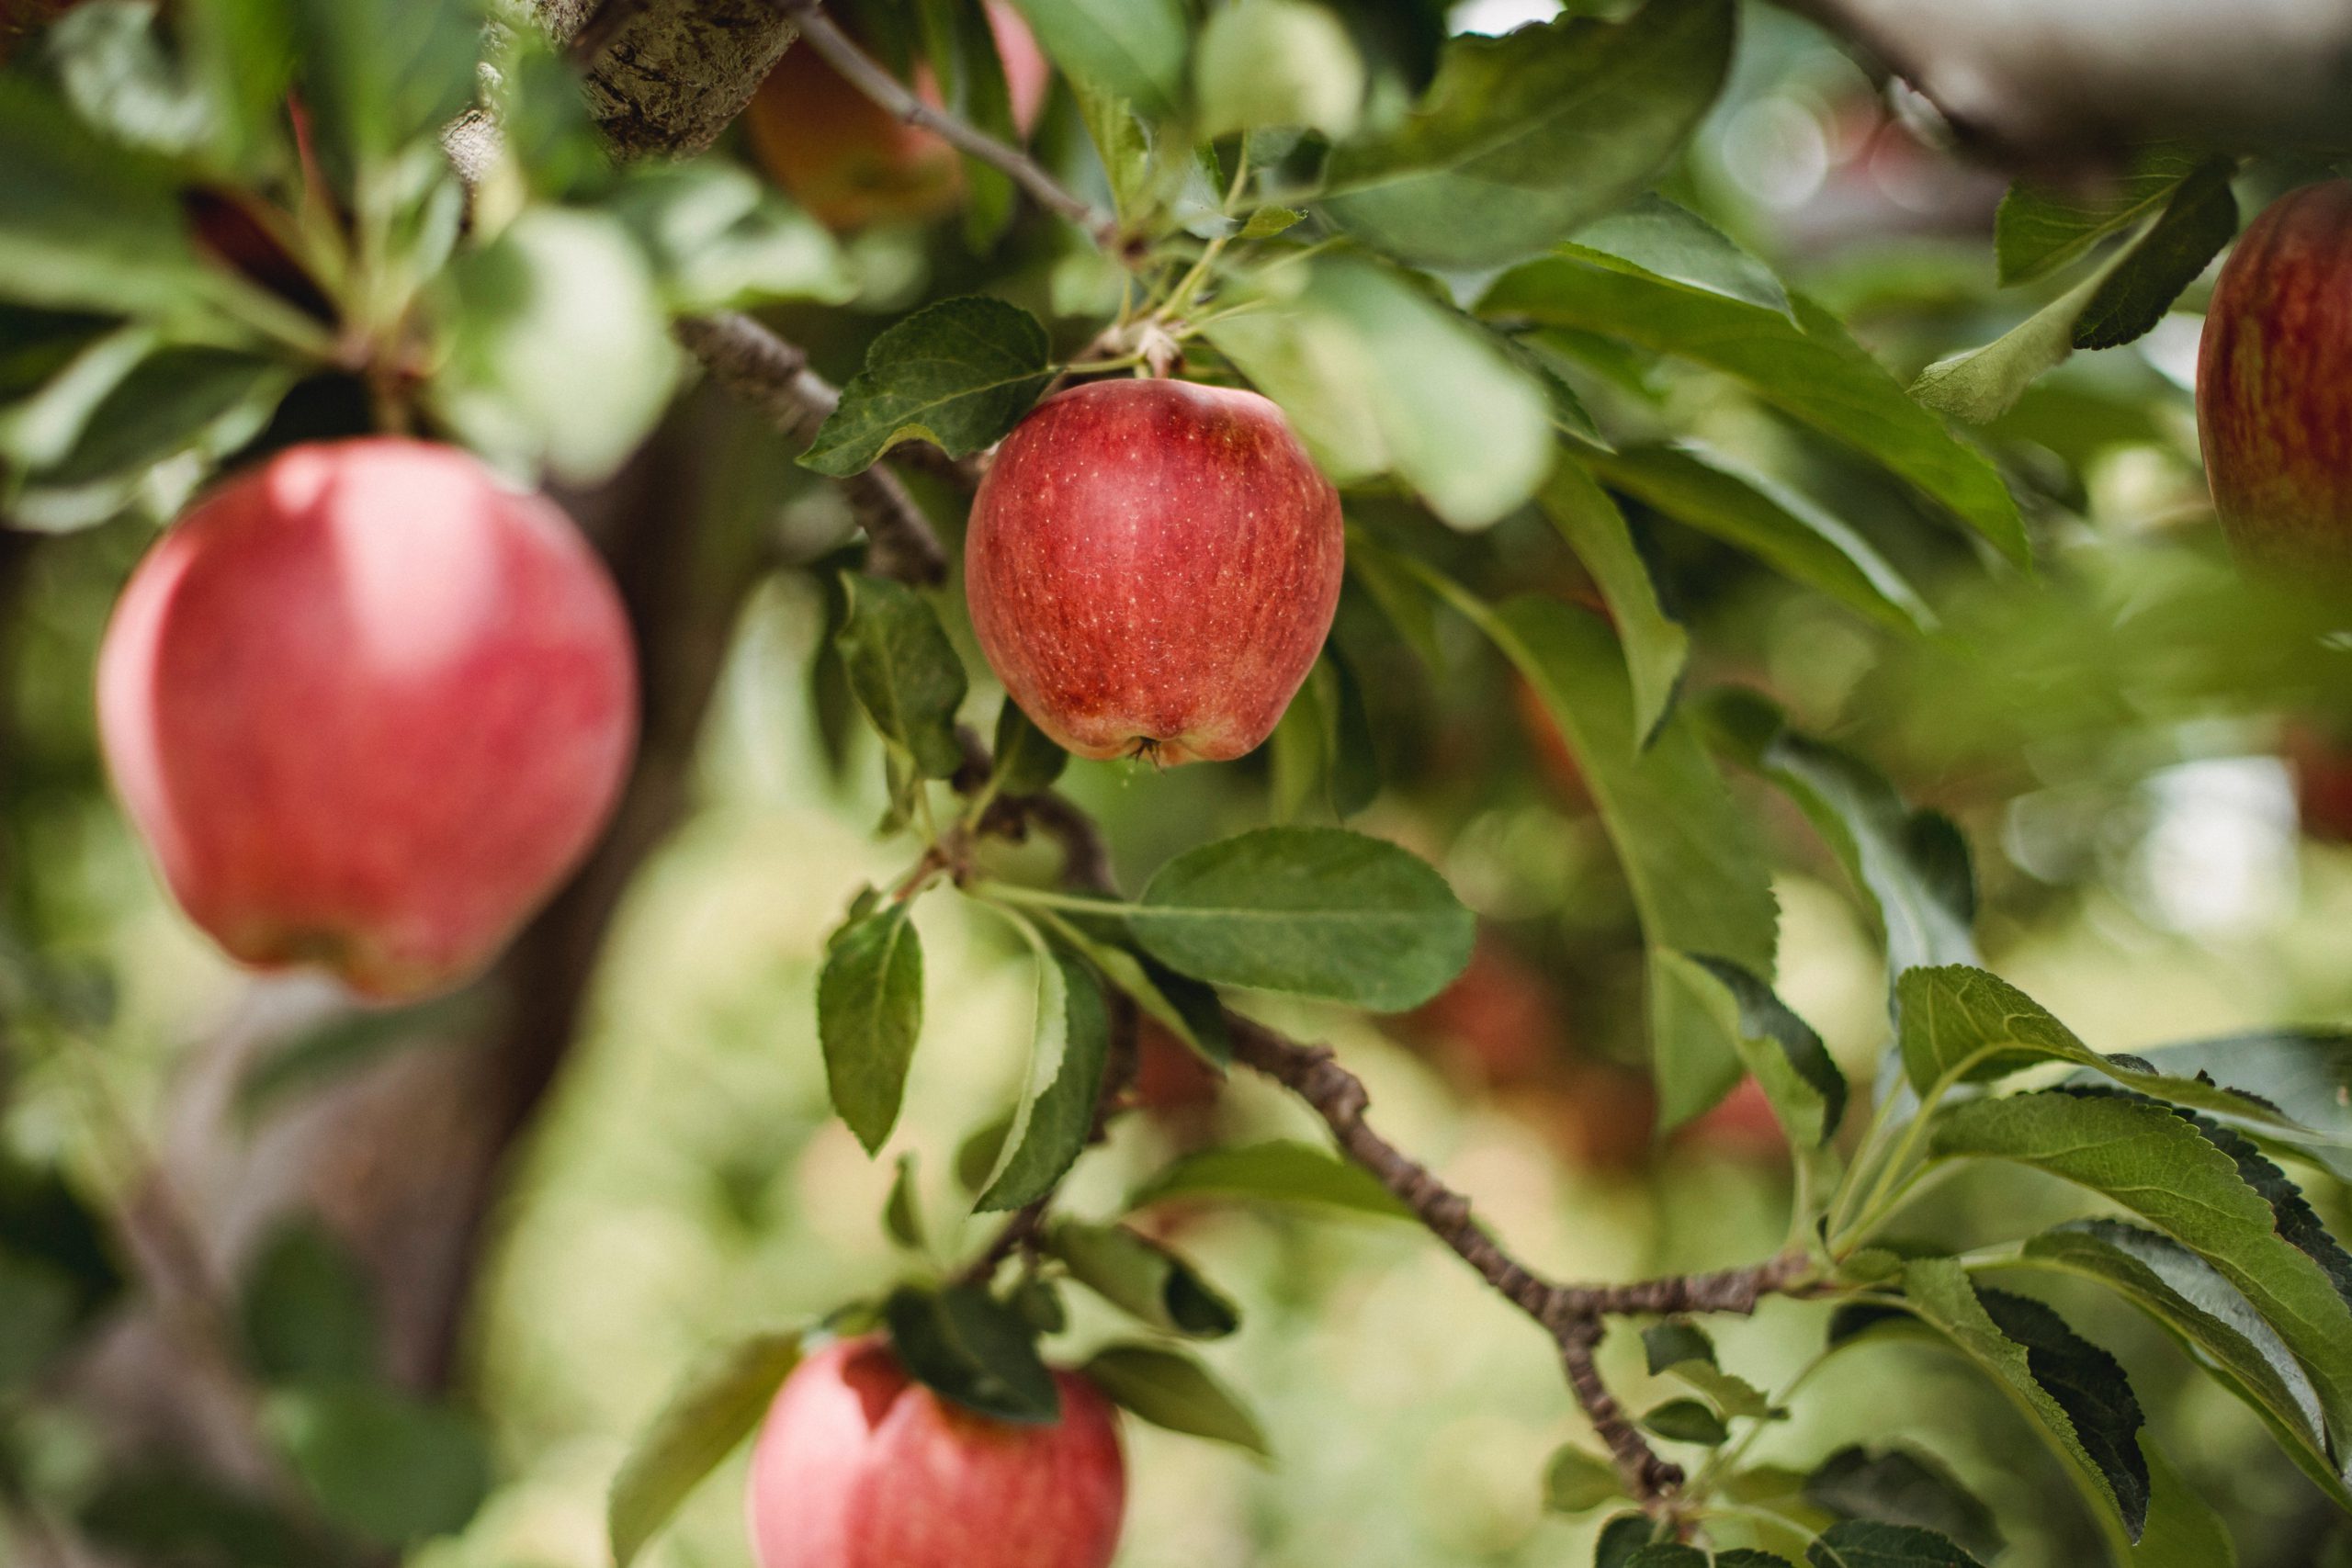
x=209 y=208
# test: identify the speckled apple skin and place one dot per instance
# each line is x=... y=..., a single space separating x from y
x=367 y=706
x=1152 y=567
x=2274 y=385
x=858 y=1466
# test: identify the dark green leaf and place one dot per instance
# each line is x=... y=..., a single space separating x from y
x=1171 y=1389
x=1132 y=49
x=2293 y=1212
x=38 y=1304
x=386 y=1465
x=1667 y=1554
x=178 y=399
x=1143 y=1278
x=1056 y=1114
x=1027 y=762
x=1185 y=1008
x=1811 y=369
x=376 y=74
x=963 y=1344
x=977 y=1155
x=1315 y=911
x=1748 y=1557
x=2091 y=1386
x=716 y=1407
x=1525 y=139
x=1799 y=1077
x=1653 y=236
x=904 y=671
x=243 y=52
x=1858 y=1543
x=307 y=1309
x=2306 y=1074
x=1621 y=1538
x=1279 y=1172
x=958 y=374
x=1656 y=646
x=2040 y=227
x=1896 y=1486
x=1677 y=1340
x=959 y=41
x=869 y=1015
x=2201 y=219
x=1783 y=529
x=1732 y=1395
x=44 y=1220
x=902 y=1216
x=162 y=1514
x=1577 y=1480
x=1687 y=1421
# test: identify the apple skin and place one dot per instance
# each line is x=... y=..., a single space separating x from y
x=849 y=161
x=2274 y=386
x=366 y=707
x=1152 y=567
x=1742 y=1125
x=859 y=1466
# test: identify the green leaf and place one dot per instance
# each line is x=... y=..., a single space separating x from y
x=1276 y=62
x=110 y=60
x=2201 y=218
x=378 y=74
x=1525 y=139
x=2091 y=1386
x=243 y=52
x=386 y=1465
x=158 y=1511
x=1171 y=1389
x=1269 y=221
x=1752 y=511
x=1799 y=1077
x=1656 y=648
x=1622 y=1538
x=557 y=352
x=208 y=401
x=1958 y=1020
x=1982 y=384
x=2209 y=1316
x=1690 y=854
x=902 y=1214
x=37 y=1302
x=904 y=671
x=1027 y=761
x=2041 y=229
x=1576 y=1482
x=1667 y=1554
x=869 y=1015
x=1276 y=1172
x=2151 y=1162
x=2307 y=1074
x=966 y=1345
x=1056 y=1114
x=1129 y=49
x=1810 y=370
x=1749 y=1557
x=721 y=240
x=958 y=374
x=1896 y=1486
x=1939 y=1291
x=1143 y=1278
x=719 y=1405
x=1378 y=378
x=1676 y=1340
x=1687 y=1421
x=1314 y=911
x=959 y=41
x=307 y=1309
x=1185 y=1008
x=1675 y=245
x=1858 y=1543
x=2183 y=1530
x=1911 y=866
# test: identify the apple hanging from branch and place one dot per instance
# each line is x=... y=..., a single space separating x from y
x=1152 y=567
x=859 y=1466
x=367 y=706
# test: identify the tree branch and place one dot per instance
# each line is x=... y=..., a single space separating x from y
x=861 y=72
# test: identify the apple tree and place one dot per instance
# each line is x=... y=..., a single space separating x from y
x=1313 y=525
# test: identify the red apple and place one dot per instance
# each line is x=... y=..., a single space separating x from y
x=1742 y=1125
x=2321 y=765
x=849 y=161
x=1152 y=567
x=2274 y=385
x=367 y=706
x=859 y=1466
x=1172 y=1080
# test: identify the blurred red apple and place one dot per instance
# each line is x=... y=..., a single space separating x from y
x=1152 y=567
x=367 y=708
x=2322 y=766
x=849 y=161
x=2274 y=385
x=1741 y=1124
x=1170 y=1077
x=859 y=1466
x=1499 y=1020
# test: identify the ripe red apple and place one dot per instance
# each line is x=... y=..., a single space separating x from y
x=1152 y=567
x=849 y=161
x=859 y=1466
x=1742 y=1125
x=2274 y=385
x=1171 y=1081
x=367 y=706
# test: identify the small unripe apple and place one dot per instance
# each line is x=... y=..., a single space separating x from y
x=1152 y=567
x=849 y=161
x=2274 y=385
x=859 y=1466
x=367 y=706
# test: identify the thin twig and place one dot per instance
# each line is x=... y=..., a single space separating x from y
x=840 y=51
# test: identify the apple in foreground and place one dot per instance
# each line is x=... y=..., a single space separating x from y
x=849 y=161
x=859 y=1466
x=367 y=706
x=1152 y=567
x=2274 y=385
